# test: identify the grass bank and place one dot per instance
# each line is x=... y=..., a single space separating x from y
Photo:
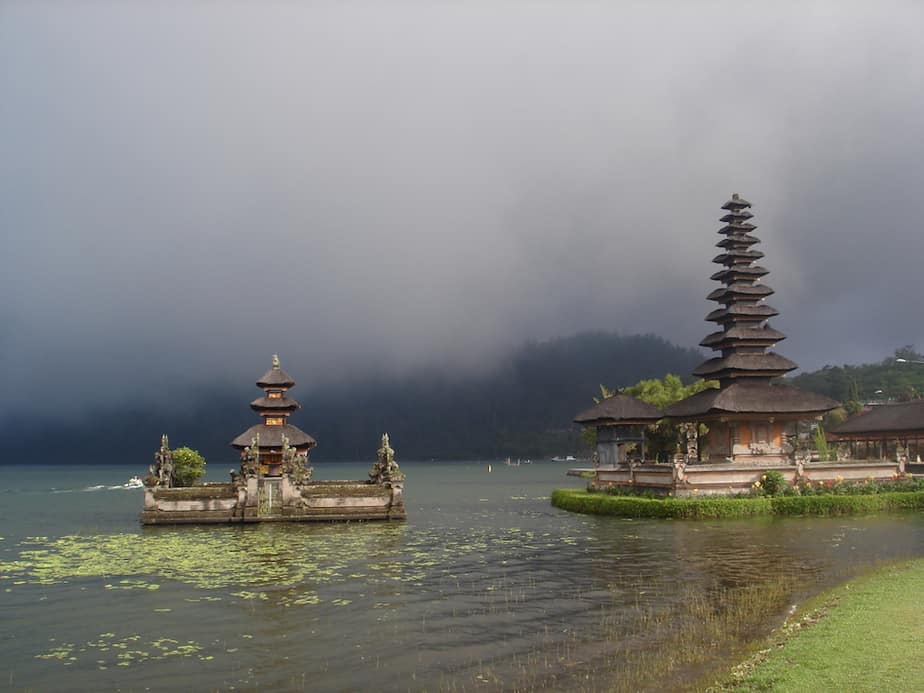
x=861 y=636
x=581 y=501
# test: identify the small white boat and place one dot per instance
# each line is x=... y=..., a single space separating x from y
x=134 y=482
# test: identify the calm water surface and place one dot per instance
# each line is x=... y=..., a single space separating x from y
x=486 y=587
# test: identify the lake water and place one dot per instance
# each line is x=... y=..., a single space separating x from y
x=486 y=587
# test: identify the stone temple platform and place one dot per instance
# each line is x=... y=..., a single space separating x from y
x=274 y=500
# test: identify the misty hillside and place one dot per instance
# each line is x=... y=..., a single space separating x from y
x=899 y=377
x=523 y=407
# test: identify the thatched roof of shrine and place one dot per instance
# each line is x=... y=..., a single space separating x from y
x=619 y=409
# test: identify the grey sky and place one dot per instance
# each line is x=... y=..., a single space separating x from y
x=186 y=188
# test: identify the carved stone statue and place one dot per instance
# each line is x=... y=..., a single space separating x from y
x=295 y=464
x=692 y=435
x=161 y=472
x=385 y=470
x=250 y=458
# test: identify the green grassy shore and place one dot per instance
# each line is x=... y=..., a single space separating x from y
x=861 y=636
x=581 y=501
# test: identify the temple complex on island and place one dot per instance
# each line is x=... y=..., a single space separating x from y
x=274 y=483
x=750 y=422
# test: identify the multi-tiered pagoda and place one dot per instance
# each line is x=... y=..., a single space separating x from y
x=750 y=418
x=275 y=408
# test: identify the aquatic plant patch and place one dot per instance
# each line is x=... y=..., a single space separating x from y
x=580 y=501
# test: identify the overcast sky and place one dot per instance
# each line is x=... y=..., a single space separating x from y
x=188 y=187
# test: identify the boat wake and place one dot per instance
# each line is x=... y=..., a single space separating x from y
x=134 y=482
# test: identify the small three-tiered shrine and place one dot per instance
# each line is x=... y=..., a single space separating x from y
x=274 y=431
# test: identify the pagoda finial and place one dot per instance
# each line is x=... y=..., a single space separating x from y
x=276 y=361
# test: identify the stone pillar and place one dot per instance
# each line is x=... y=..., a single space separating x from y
x=396 y=507
x=149 y=502
x=252 y=498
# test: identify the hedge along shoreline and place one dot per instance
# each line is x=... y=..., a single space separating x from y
x=580 y=501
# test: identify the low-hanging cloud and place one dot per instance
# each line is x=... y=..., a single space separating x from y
x=186 y=189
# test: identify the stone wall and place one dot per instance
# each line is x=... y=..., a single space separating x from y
x=241 y=502
x=682 y=480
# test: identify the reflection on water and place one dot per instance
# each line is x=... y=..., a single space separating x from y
x=486 y=586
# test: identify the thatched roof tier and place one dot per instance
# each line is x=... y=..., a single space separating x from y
x=740 y=334
x=752 y=398
x=737 y=228
x=271 y=437
x=275 y=378
x=735 y=257
x=905 y=417
x=736 y=216
x=744 y=364
x=742 y=311
x=737 y=272
x=737 y=241
x=274 y=404
x=619 y=409
x=736 y=203
x=743 y=289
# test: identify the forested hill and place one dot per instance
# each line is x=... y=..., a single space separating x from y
x=523 y=407
x=899 y=377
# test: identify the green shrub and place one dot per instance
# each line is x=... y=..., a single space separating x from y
x=773 y=483
x=188 y=466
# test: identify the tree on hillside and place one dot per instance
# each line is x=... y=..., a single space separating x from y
x=889 y=379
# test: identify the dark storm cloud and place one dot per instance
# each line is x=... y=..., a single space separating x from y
x=187 y=188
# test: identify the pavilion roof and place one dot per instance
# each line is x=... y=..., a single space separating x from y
x=619 y=409
x=884 y=418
